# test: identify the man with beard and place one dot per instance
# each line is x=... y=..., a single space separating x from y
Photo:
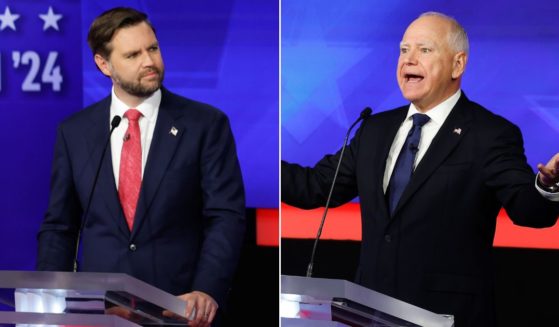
x=168 y=205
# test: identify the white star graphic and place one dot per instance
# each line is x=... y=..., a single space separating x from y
x=51 y=19
x=8 y=19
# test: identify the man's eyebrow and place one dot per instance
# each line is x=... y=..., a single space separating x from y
x=131 y=52
x=420 y=44
x=135 y=51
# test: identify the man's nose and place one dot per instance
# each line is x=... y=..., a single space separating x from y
x=147 y=59
x=410 y=57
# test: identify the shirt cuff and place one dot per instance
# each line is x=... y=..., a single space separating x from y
x=552 y=196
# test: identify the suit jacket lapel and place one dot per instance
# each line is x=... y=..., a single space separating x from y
x=105 y=191
x=441 y=146
x=162 y=150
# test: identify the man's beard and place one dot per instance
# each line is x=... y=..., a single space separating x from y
x=136 y=88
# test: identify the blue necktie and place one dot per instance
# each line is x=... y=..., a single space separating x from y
x=404 y=164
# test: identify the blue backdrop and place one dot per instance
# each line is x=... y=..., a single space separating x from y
x=222 y=52
x=340 y=58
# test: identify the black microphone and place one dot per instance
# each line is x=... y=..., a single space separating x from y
x=364 y=114
x=114 y=124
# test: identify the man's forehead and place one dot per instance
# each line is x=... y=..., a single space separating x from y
x=417 y=42
x=126 y=40
x=136 y=32
x=432 y=21
x=425 y=33
x=428 y=26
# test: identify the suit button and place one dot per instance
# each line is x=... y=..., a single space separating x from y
x=388 y=238
x=132 y=247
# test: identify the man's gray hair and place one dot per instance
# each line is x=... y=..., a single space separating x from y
x=457 y=38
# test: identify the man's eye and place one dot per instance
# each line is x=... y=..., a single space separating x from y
x=403 y=50
x=154 y=49
x=425 y=50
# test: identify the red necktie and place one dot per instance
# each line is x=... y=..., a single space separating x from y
x=130 y=175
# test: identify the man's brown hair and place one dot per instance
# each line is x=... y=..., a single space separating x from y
x=108 y=23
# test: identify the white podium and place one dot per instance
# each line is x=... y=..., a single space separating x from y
x=332 y=302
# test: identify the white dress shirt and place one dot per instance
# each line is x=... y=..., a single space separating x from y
x=438 y=115
x=149 y=109
x=548 y=195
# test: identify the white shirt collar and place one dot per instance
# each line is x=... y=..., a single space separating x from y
x=440 y=112
x=148 y=107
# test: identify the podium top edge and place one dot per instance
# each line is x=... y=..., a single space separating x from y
x=328 y=289
x=67 y=280
x=99 y=282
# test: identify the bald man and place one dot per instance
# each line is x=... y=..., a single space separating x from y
x=431 y=177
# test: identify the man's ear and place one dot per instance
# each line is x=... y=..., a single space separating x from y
x=459 y=64
x=102 y=64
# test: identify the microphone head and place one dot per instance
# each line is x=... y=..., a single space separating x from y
x=115 y=122
x=366 y=112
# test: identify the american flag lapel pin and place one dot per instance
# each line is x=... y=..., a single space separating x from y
x=457 y=131
x=173 y=131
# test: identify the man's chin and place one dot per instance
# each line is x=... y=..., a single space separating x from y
x=148 y=90
x=145 y=92
x=153 y=84
x=411 y=97
x=412 y=92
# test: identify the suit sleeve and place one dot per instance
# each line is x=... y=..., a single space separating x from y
x=223 y=211
x=58 y=232
x=508 y=173
x=308 y=187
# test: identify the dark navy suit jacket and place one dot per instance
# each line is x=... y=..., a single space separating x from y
x=436 y=250
x=190 y=219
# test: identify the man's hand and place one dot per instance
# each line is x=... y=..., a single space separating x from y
x=204 y=305
x=549 y=174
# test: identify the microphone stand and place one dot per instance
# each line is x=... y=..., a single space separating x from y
x=114 y=124
x=364 y=114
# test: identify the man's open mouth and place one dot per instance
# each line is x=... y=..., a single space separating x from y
x=413 y=78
